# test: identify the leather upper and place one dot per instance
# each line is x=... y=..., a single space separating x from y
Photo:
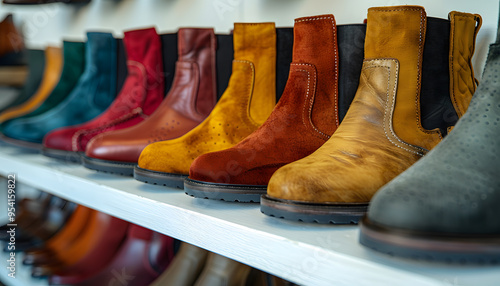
x=244 y=106
x=188 y=102
x=140 y=95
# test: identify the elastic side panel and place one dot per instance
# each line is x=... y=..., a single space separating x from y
x=284 y=48
x=224 y=59
x=437 y=110
x=351 y=45
x=169 y=55
x=121 y=64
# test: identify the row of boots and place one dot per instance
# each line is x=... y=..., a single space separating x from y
x=361 y=104
x=69 y=244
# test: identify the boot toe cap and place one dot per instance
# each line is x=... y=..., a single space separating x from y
x=61 y=139
x=106 y=147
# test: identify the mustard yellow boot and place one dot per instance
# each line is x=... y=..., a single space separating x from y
x=416 y=81
x=245 y=105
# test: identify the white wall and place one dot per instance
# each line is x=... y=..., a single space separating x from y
x=48 y=24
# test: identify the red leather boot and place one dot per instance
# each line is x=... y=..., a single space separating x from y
x=141 y=94
x=189 y=101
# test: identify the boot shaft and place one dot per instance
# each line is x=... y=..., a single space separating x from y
x=315 y=49
x=74 y=60
x=196 y=64
x=199 y=45
x=429 y=78
x=101 y=61
x=144 y=87
x=255 y=44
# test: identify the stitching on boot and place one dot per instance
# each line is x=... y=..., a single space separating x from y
x=135 y=112
x=336 y=72
x=311 y=99
x=386 y=117
x=454 y=16
x=248 y=118
x=420 y=50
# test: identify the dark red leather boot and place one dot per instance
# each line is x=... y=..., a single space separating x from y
x=140 y=95
x=92 y=251
x=189 y=101
x=143 y=257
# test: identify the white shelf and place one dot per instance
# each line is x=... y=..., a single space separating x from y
x=307 y=254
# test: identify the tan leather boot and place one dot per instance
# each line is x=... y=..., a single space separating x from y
x=417 y=79
x=221 y=270
x=185 y=268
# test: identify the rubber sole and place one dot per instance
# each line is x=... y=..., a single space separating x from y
x=112 y=167
x=312 y=212
x=20 y=143
x=68 y=156
x=429 y=246
x=224 y=192
x=13 y=75
x=159 y=178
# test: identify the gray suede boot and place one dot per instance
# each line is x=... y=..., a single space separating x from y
x=446 y=207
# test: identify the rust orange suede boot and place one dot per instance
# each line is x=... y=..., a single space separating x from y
x=244 y=106
x=416 y=81
x=307 y=114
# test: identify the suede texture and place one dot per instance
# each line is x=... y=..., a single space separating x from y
x=140 y=95
x=367 y=150
x=73 y=67
x=36 y=66
x=188 y=102
x=245 y=105
x=94 y=92
x=311 y=93
x=53 y=68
